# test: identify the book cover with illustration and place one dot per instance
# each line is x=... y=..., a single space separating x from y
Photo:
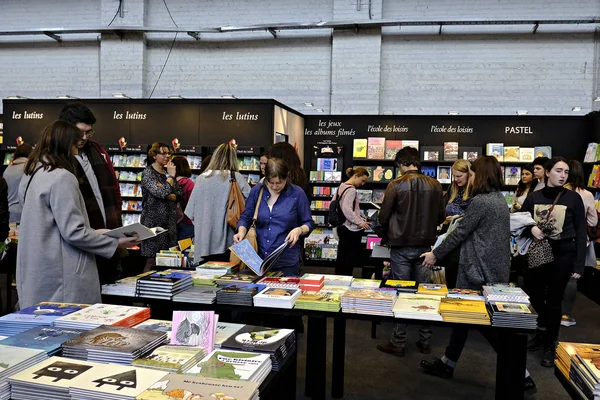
x=378 y=195
x=429 y=171
x=376 y=148
x=57 y=372
x=444 y=174
x=187 y=387
x=258 y=338
x=231 y=365
x=391 y=148
x=543 y=151
x=415 y=305
x=359 y=148
x=590 y=152
x=13 y=356
x=224 y=331
x=115 y=339
x=512 y=175
x=42 y=338
x=526 y=154
x=512 y=154
x=105 y=314
x=450 y=151
x=45 y=312
x=195 y=328
x=431 y=155
x=156 y=325
x=433 y=289
x=496 y=150
x=410 y=143
x=170 y=358
x=383 y=174
x=364 y=196
x=470 y=156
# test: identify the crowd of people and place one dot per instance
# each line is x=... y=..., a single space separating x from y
x=65 y=196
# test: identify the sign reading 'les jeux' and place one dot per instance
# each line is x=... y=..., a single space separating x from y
x=330 y=128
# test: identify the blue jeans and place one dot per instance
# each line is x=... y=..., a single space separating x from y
x=406 y=265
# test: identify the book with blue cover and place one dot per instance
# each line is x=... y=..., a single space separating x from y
x=166 y=277
x=45 y=312
x=245 y=252
x=42 y=338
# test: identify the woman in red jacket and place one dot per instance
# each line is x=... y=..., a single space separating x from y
x=185 y=226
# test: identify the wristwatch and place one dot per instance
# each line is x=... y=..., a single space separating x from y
x=168 y=176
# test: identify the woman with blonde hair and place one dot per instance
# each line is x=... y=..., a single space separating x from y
x=459 y=194
x=207 y=206
x=350 y=233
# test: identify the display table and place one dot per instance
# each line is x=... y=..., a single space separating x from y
x=568 y=385
x=510 y=364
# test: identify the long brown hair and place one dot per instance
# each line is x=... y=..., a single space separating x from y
x=54 y=149
x=488 y=175
x=288 y=154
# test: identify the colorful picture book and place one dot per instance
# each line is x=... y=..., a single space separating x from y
x=391 y=148
x=543 y=151
x=496 y=150
x=43 y=338
x=450 y=151
x=233 y=365
x=195 y=328
x=245 y=252
x=376 y=148
x=526 y=154
x=103 y=314
x=512 y=175
x=359 y=148
x=512 y=154
x=444 y=174
x=171 y=358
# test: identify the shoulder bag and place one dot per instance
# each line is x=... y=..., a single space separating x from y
x=540 y=251
x=235 y=203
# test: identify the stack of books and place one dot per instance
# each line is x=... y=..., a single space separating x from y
x=195 y=328
x=113 y=382
x=433 y=289
x=288 y=282
x=338 y=280
x=49 y=379
x=217 y=268
x=113 y=344
x=509 y=294
x=197 y=387
x=369 y=301
x=234 y=366
x=238 y=293
x=578 y=362
x=234 y=278
x=312 y=282
x=276 y=297
x=513 y=315
x=164 y=285
x=366 y=284
x=43 y=338
x=464 y=311
x=278 y=343
x=197 y=294
x=224 y=331
x=320 y=301
x=203 y=280
x=124 y=287
x=418 y=306
x=103 y=314
x=401 y=286
x=14 y=360
x=466 y=294
x=156 y=325
x=171 y=358
x=42 y=314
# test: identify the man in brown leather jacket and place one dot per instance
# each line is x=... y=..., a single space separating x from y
x=412 y=209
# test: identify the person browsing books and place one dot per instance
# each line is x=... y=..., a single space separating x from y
x=526 y=185
x=565 y=229
x=183 y=173
x=55 y=254
x=283 y=215
x=350 y=233
x=160 y=194
x=13 y=174
x=483 y=235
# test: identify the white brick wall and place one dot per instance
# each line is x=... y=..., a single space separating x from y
x=408 y=70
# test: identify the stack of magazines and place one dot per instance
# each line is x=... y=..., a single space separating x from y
x=233 y=365
x=505 y=293
x=14 y=360
x=103 y=314
x=124 y=287
x=320 y=301
x=369 y=301
x=513 y=315
x=277 y=297
x=578 y=362
x=113 y=344
x=197 y=294
x=42 y=314
x=164 y=285
x=278 y=343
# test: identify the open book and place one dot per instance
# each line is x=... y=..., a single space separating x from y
x=135 y=229
x=246 y=253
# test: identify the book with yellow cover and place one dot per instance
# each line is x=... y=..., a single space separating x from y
x=463 y=306
x=433 y=289
x=359 y=148
x=401 y=286
x=513 y=307
x=590 y=358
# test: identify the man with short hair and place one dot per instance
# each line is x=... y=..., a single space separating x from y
x=97 y=183
x=539 y=172
x=412 y=209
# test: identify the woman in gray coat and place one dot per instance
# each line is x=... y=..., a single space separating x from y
x=483 y=235
x=207 y=207
x=55 y=254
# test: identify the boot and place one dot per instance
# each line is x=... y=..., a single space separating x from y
x=537 y=342
x=548 y=359
x=529 y=385
x=438 y=368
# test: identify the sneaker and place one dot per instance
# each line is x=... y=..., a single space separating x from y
x=389 y=348
x=438 y=368
x=424 y=347
x=567 y=320
x=529 y=385
x=537 y=342
x=548 y=359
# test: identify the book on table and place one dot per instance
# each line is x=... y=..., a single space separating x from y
x=245 y=252
x=137 y=229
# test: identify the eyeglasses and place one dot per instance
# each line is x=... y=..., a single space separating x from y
x=88 y=133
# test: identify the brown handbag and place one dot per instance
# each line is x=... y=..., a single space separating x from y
x=251 y=234
x=235 y=203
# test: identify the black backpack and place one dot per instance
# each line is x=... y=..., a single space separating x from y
x=336 y=215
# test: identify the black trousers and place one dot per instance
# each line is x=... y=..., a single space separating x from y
x=349 y=248
x=458 y=338
x=546 y=285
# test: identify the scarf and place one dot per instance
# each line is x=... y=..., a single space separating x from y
x=109 y=189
